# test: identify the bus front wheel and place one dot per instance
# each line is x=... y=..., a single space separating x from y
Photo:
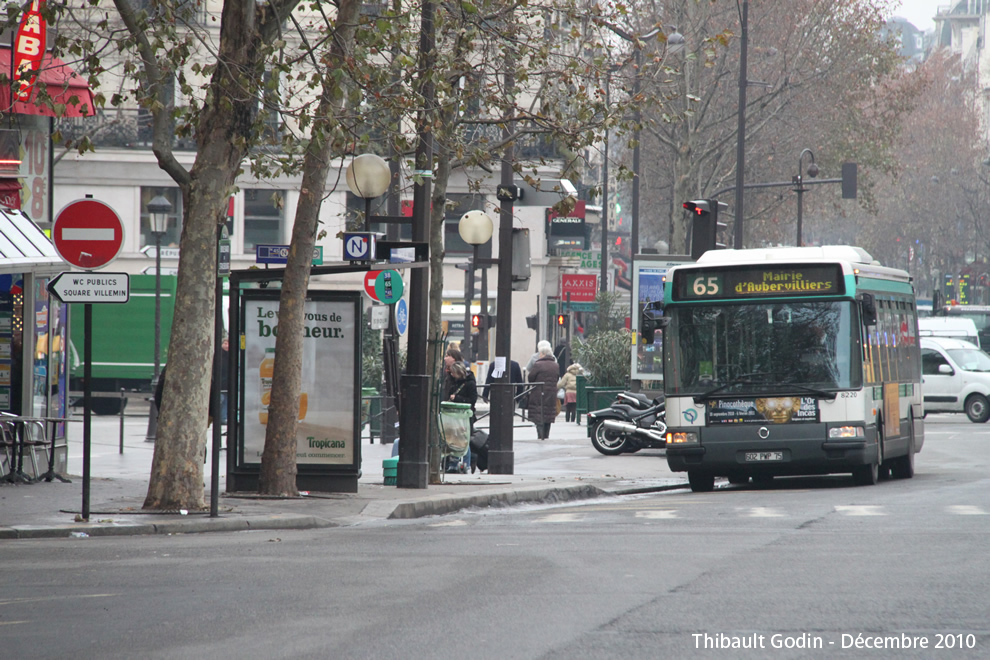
x=701 y=482
x=977 y=408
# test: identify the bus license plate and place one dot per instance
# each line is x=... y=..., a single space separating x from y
x=760 y=456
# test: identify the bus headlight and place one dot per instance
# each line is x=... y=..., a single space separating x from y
x=682 y=437
x=847 y=432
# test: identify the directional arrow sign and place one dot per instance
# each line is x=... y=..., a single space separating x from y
x=91 y=287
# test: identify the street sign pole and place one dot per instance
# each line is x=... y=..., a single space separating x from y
x=87 y=404
x=223 y=268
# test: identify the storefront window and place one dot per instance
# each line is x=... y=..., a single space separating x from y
x=264 y=213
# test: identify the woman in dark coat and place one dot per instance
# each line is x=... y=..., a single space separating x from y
x=543 y=398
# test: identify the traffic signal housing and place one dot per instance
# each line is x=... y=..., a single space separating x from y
x=705 y=225
x=562 y=319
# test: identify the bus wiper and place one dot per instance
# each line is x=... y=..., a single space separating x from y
x=744 y=379
x=813 y=390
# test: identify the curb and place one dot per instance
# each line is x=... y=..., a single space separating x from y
x=408 y=510
x=193 y=526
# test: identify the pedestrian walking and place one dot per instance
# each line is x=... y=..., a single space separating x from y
x=543 y=399
x=544 y=344
x=568 y=383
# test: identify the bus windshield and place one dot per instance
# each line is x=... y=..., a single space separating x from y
x=761 y=348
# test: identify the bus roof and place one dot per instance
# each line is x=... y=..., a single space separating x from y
x=854 y=259
x=848 y=253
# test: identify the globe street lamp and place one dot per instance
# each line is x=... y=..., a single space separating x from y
x=368 y=176
x=158 y=211
x=798 y=181
x=476 y=228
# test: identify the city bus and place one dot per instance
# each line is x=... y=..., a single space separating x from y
x=791 y=361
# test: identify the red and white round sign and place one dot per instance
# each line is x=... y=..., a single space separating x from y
x=88 y=234
x=369 y=283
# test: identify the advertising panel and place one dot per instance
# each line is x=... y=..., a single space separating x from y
x=763 y=410
x=648 y=280
x=328 y=433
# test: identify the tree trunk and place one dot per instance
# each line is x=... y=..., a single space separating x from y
x=278 y=460
x=222 y=137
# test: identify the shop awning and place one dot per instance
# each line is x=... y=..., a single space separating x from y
x=64 y=86
x=24 y=247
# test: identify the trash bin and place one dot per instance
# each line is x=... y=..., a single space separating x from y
x=455 y=432
x=601 y=397
x=582 y=396
x=390 y=468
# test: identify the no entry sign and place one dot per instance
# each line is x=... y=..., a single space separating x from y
x=88 y=234
x=369 y=284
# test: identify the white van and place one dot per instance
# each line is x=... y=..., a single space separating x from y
x=949 y=327
x=955 y=377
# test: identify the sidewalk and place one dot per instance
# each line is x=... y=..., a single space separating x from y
x=565 y=467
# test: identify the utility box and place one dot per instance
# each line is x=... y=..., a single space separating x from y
x=520 y=259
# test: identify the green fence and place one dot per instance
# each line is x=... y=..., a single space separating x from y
x=594 y=398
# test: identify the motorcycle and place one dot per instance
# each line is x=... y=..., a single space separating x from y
x=631 y=423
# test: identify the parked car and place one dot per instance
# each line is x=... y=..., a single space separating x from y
x=956 y=377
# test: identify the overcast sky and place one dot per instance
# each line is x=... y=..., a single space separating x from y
x=921 y=12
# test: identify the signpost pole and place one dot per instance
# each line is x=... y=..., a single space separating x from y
x=223 y=268
x=87 y=403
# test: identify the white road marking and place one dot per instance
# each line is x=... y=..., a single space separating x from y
x=450 y=523
x=765 y=512
x=860 y=510
x=657 y=514
x=559 y=518
x=966 y=510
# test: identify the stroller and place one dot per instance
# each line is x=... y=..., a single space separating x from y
x=455 y=437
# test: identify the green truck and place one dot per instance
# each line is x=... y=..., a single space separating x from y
x=123 y=343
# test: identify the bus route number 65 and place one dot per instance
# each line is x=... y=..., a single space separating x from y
x=706 y=286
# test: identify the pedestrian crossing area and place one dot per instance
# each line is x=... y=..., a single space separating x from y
x=656 y=512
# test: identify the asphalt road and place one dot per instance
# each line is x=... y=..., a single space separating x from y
x=800 y=564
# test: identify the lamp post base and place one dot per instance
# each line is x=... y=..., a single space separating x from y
x=413 y=469
x=501 y=462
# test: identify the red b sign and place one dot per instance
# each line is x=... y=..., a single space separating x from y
x=88 y=234
x=29 y=48
x=581 y=287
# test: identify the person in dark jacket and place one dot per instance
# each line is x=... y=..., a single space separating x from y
x=563 y=354
x=515 y=376
x=543 y=398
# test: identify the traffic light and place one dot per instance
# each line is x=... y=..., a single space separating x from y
x=533 y=322
x=705 y=225
x=561 y=319
x=479 y=321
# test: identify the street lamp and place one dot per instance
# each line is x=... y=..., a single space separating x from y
x=158 y=210
x=737 y=242
x=368 y=176
x=799 y=182
x=476 y=228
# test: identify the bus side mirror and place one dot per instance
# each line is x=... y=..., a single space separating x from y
x=869 y=308
x=651 y=325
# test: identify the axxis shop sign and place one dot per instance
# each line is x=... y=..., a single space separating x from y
x=582 y=288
